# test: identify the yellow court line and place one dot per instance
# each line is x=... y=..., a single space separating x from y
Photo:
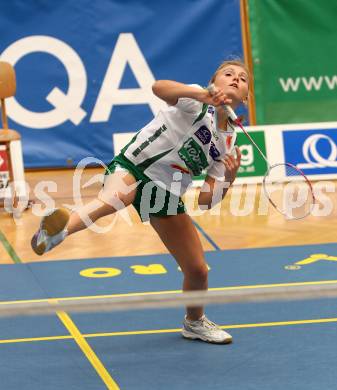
x=284 y=323
x=30 y=339
x=176 y=330
x=239 y=326
x=229 y=288
x=87 y=350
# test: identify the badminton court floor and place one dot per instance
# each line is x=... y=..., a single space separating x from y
x=276 y=345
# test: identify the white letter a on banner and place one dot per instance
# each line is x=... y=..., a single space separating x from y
x=126 y=51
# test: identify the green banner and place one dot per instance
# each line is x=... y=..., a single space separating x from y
x=294 y=56
x=252 y=163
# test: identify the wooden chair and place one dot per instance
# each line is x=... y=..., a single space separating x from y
x=7 y=89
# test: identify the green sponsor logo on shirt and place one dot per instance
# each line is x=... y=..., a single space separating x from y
x=193 y=156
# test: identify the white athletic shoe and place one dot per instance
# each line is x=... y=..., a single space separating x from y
x=205 y=330
x=51 y=232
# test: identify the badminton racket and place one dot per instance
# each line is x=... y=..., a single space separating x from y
x=293 y=198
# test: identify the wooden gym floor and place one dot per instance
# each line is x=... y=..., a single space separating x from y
x=225 y=230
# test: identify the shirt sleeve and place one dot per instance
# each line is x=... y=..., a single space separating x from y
x=189 y=105
x=230 y=139
x=217 y=171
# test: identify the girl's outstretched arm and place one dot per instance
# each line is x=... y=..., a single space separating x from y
x=170 y=91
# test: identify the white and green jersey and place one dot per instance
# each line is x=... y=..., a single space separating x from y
x=182 y=141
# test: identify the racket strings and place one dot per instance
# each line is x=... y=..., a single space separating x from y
x=293 y=198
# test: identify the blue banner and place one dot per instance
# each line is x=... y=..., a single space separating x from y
x=85 y=69
x=312 y=151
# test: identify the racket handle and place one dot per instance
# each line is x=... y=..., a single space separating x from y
x=230 y=112
x=228 y=109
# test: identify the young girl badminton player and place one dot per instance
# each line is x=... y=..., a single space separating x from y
x=191 y=135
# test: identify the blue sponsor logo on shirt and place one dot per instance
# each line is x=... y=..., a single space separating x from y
x=312 y=151
x=214 y=152
x=204 y=135
x=211 y=110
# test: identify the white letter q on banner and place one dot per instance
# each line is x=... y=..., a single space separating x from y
x=67 y=106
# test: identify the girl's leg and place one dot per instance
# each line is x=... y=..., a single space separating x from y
x=180 y=237
x=119 y=191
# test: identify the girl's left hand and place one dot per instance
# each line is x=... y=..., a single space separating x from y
x=232 y=164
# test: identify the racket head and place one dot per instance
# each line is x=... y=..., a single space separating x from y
x=294 y=198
